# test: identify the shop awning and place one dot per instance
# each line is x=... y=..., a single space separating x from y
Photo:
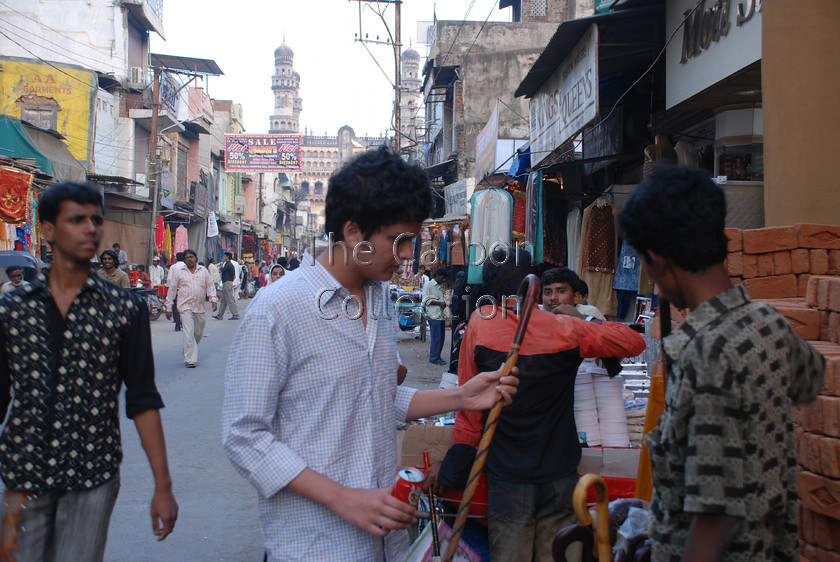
x=627 y=39
x=186 y=64
x=439 y=169
x=16 y=143
x=65 y=167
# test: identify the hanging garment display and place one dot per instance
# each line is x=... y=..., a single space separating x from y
x=167 y=242
x=594 y=235
x=14 y=187
x=443 y=246
x=492 y=211
x=456 y=257
x=573 y=237
x=181 y=239
x=626 y=282
x=160 y=235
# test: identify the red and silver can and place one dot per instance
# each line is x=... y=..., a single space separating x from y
x=408 y=485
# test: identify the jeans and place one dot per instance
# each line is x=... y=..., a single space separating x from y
x=58 y=524
x=436 y=329
x=228 y=300
x=192 y=324
x=523 y=518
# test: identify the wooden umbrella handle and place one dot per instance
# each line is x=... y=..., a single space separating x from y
x=602 y=512
x=528 y=291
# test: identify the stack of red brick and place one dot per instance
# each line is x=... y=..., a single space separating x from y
x=797 y=270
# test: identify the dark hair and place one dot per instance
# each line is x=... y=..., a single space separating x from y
x=13 y=268
x=377 y=188
x=559 y=275
x=179 y=256
x=115 y=245
x=188 y=251
x=582 y=288
x=440 y=271
x=112 y=254
x=294 y=263
x=504 y=271
x=680 y=214
x=212 y=260
x=141 y=267
x=283 y=260
x=229 y=255
x=49 y=204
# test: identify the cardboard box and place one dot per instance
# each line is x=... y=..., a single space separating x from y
x=418 y=438
x=610 y=462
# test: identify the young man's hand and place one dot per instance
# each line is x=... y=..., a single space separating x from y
x=374 y=511
x=164 y=513
x=479 y=393
x=567 y=309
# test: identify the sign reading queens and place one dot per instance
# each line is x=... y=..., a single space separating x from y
x=568 y=100
x=262 y=153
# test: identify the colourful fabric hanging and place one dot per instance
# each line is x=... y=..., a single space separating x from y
x=160 y=235
x=181 y=239
x=167 y=242
x=14 y=186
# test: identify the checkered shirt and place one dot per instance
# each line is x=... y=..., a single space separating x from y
x=725 y=443
x=309 y=386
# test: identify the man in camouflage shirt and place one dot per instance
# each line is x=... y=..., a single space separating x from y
x=723 y=458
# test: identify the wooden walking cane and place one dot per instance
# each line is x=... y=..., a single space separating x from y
x=528 y=291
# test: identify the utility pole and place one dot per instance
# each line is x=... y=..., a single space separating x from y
x=153 y=146
x=397 y=44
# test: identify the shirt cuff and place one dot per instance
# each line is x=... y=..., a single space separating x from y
x=402 y=401
x=279 y=467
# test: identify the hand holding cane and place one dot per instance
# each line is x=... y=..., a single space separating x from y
x=527 y=294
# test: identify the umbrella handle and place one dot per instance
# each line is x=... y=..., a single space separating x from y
x=602 y=512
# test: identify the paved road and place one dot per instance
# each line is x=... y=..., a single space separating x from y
x=218 y=514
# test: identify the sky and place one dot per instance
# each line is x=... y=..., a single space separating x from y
x=340 y=83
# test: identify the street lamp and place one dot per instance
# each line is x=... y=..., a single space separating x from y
x=156 y=187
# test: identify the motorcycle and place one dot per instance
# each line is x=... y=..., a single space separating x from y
x=152 y=301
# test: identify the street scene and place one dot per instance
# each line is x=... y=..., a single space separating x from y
x=406 y=280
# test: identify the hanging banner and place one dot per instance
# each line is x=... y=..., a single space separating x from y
x=568 y=100
x=262 y=153
x=14 y=185
x=212 y=225
x=167 y=189
x=485 y=146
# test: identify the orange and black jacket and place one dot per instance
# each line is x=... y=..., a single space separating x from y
x=536 y=439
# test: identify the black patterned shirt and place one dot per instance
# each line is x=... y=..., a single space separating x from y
x=725 y=443
x=63 y=376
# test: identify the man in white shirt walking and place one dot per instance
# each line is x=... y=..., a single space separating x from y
x=156 y=272
x=190 y=284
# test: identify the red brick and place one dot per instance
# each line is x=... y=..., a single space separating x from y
x=770 y=239
x=830 y=457
x=819 y=493
x=813 y=289
x=830 y=411
x=833 y=328
x=800 y=260
x=749 y=266
x=818 y=236
x=735 y=237
x=806 y=321
x=808 y=553
x=782 y=263
x=822 y=531
x=776 y=287
x=736 y=280
x=802 y=284
x=819 y=262
x=809 y=452
x=834 y=294
x=831 y=381
x=834 y=262
x=823 y=292
x=735 y=264
x=824 y=328
x=824 y=555
x=765 y=265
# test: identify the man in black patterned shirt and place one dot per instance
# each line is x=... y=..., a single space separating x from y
x=68 y=343
x=723 y=456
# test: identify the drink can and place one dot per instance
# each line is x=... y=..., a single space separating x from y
x=408 y=485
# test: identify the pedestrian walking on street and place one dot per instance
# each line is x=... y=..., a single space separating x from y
x=433 y=305
x=15 y=275
x=71 y=340
x=122 y=260
x=307 y=365
x=228 y=298
x=179 y=263
x=190 y=284
x=110 y=271
x=156 y=272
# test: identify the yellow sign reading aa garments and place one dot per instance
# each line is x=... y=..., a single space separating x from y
x=51 y=96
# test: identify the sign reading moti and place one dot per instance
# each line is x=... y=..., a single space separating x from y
x=262 y=153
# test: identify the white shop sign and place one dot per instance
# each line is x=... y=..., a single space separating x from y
x=568 y=100
x=717 y=40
